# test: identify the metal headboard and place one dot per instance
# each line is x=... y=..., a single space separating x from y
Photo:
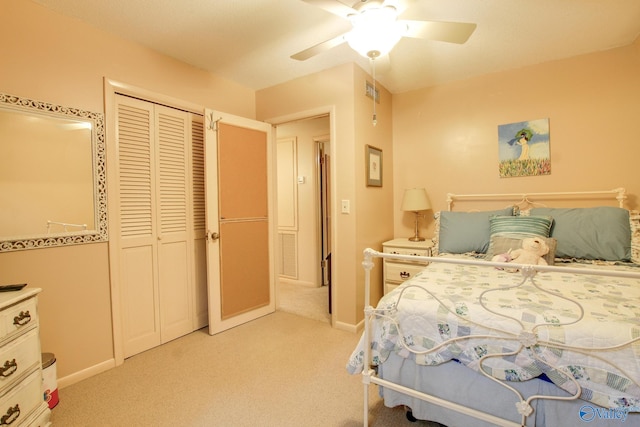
x=620 y=194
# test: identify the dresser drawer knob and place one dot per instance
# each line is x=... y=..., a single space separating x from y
x=10 y=366
x=12 y=415
x=22 y=319
x=405 y=275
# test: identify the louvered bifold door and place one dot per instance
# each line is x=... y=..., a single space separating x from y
x=174 y=251
x=137 y=233
x=156 y=228
x=199 y=226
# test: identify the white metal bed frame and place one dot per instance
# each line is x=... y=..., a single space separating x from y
x=619 y=193
x=528 y=272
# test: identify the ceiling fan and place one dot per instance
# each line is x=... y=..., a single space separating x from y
x=377 y=29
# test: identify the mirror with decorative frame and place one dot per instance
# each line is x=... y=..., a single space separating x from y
x=52 y=175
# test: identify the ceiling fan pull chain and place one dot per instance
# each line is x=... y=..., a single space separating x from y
x=373 y=67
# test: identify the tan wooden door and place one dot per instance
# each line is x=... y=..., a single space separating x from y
x=240 y=223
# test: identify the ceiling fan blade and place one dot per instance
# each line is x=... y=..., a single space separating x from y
x=451 y=32
x=320 y=47
x=332 y=6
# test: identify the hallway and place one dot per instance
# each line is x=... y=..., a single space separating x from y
x=306 y=301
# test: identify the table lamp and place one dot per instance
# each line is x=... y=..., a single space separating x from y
x=416 y=200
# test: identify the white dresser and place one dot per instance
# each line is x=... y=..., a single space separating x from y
x=395 y=271
x=21 y=396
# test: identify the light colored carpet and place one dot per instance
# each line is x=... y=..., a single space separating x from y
x=280 y=370
x=307 y=301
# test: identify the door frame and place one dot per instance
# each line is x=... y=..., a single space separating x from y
x=324 y=222
x=111 y=88
x=309 y=114
x=321 y=142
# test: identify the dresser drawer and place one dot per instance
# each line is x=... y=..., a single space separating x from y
x=40 y=418
x=18 y=318
x=19 y=357
x=389 y=286
x=408 y=251
x=399 y=272
x=18 y=404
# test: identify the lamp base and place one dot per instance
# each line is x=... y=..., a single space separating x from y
x=416 y=236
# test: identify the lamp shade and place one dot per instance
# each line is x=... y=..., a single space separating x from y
x=415 y=199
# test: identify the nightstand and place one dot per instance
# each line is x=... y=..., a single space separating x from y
x=397 y=271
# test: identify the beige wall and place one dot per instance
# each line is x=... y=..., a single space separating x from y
x=341 y=91
x=52 y=58
x=445 y=137
x=57 y=59
x=374 y=210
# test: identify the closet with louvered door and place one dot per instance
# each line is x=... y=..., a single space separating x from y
x=157 y=230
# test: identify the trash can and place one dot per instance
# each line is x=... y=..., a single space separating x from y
x=49 y=379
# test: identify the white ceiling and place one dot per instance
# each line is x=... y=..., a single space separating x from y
x=251 y=41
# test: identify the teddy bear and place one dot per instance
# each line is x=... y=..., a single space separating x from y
x=532 y=251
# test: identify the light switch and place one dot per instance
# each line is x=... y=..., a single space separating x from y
x=345 y=207
x=301 y=179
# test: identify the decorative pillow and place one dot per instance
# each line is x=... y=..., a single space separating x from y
x=634 y=223
x=462 y=232
x=602 y=233
x=503 y=244
x=436 y=234
x=522 y=226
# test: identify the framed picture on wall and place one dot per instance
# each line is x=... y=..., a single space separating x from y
x=373 y=159
x=524 y=148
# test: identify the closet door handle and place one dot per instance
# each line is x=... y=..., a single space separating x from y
x=215 y=236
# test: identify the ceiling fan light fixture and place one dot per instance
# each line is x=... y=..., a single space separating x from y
x=375 y=31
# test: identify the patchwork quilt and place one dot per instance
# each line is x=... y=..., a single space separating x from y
x=582 y=332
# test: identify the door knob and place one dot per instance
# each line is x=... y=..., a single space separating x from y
x=215 y=236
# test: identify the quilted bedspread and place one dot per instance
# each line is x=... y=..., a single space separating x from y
x=575 y=329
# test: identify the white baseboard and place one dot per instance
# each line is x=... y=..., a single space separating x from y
x=86 y=373
x=359 y=327
x=297 y=282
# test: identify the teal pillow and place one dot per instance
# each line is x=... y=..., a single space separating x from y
x=602 y=233
x=462 y=232
x=531 y=225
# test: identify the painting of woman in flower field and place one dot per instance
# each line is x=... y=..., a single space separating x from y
x=524 y=148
